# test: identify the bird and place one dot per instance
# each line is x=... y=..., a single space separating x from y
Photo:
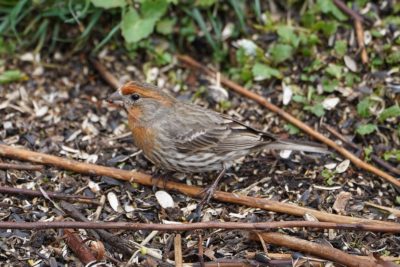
x=183 y=137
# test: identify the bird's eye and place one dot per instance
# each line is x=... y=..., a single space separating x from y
x=135 y=97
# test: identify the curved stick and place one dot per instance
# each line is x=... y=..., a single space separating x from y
x=145 y=179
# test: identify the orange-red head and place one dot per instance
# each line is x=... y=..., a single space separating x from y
x=141 y=99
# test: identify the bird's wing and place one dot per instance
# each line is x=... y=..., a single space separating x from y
x=213 y=132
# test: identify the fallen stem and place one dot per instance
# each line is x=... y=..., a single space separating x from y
x=21 y=167
x=299 y=124
x=312 y=248
x=34 y=193
x=145 y=179
x=262 y=226
x=358 y=20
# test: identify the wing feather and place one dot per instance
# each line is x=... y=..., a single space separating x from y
x=214 y=132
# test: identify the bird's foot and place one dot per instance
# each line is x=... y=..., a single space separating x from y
x=207 y=194
x=160 y=179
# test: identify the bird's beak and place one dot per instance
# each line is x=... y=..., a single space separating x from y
x=115 y=98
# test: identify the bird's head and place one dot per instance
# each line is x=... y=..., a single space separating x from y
x=141 y=99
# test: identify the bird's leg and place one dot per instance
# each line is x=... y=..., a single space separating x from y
x=160 y=176
x=208 y=193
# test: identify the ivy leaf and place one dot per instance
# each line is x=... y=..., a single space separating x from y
x=364 y=129
x=334 y=70
x=393 y=111
x=363 y=107
x=135 y=28
x=262 y=72
x=327 y=27
x=106 y=4
x=329 y=85
x=341 y=48
x=281 y=52
x=291 y=129
x=288 y=36
x=317 y=110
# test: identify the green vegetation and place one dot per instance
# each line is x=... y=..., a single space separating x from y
x=306 y=45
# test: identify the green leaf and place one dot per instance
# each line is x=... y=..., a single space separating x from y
x=364 y=129
x=10 y=76
x=108 y=3
x=393 y=58
x=281 y=52
x=135 y=28
x=341 y=48
x=317 y=110
x=327 y=6
x=393 y=111
x=205 y=3
x=299 y=99
x=261 y=72
x=329 y=85
x=153 y=9
x=291 y=129
x=368 y=151
x=363 y=107
x=392 y=154
x=334 y=70
x=328 y=28
x=328 y=175
x=288 y=36
x=166 y=26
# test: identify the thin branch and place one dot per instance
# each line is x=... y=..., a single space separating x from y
x=375 y=158
x=358 y=20
x=351 y=13
x=22 y=167
x=105 y=74
x=393 y=211
x=262 y=226
x=312 y=248
x=299 y=124
x=360 y=40
x=193 y=191
x=34 y=193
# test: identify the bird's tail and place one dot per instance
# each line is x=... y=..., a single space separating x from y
x=298 y=146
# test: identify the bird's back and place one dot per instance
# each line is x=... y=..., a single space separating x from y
x=194 y=139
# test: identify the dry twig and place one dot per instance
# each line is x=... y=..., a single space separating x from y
x=105 y=74
x=21 y=167
x=262 y=226
x=358 y=20
x=145 y=179
x=299 y=124
x=33 y=193
x=318 y=250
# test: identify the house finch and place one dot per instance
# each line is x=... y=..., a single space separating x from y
x=187 y=138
